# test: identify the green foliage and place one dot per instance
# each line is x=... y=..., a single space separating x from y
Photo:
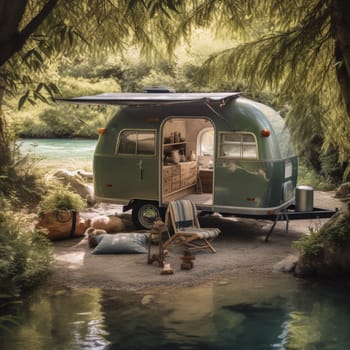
x=41 y=33
x=61 y=198
x=308 y=176
x=62 y=120
x=72 y=86
x=310 y=245
x=25 y=254
x=331 y=169
x=336 y=231
x=7 y=319
x=339 y=231
x=20 y=180
x=293 y=51
x=110 y=74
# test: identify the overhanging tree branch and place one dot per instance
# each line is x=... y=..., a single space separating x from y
x=20 y=38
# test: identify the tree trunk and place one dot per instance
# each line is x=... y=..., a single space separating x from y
x=12 y=39
x=5 y=155
x=341 y=30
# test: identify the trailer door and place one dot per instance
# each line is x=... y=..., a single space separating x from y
x=137 y=163
x=239 y=179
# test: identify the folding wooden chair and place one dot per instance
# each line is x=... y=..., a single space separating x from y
x=182 y=215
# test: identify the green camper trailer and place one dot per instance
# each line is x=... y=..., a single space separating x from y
x=226 y=153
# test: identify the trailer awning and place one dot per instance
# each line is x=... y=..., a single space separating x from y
x=150 y=98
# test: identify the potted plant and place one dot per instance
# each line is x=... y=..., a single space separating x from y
x=59 y=213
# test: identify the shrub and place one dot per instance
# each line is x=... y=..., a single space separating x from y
x=307 y=176
x=25 y=254
x=20 y=180
x=311 y=244
x=334 y=232
x=61 y=198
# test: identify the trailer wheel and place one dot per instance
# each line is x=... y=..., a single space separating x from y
x=145 y=213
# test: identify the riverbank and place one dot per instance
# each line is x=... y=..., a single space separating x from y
x=241 y=251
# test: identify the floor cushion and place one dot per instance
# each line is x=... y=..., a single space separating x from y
x=122 y=243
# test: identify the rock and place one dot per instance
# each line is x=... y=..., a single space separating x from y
x=86 y=175
x=223 y=283
x=75 y=182
x=288 y=264
x=334 y=260
x=107 y=223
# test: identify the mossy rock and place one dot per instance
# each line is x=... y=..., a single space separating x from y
x=331 y=262
x=326 y=252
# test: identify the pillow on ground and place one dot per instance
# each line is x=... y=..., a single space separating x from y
x=122 y=243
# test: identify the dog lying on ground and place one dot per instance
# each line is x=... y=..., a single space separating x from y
x=107 y=223
x=92 y=236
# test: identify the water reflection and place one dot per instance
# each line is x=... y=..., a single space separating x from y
x=248 y=315
x=270 y=313
x=62 y=319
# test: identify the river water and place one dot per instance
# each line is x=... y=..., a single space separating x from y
x=279 y=312
x=59 y=153
x=58 y=149
x=276 y=312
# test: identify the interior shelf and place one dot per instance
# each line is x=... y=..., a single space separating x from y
x=174 y=144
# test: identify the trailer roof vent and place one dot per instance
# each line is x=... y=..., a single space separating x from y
x=158 y=89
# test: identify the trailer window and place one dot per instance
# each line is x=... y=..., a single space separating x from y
x=137 y=142
x=238 y=145
x=205 y=143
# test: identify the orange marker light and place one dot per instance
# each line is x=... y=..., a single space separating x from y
x=101 y=131
x=153 y=120
x=265 y=132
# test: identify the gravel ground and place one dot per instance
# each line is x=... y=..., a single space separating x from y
x=241 y=250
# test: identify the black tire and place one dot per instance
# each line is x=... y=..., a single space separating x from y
x=144 y=213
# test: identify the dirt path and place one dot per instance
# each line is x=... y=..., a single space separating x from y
x=241 y=250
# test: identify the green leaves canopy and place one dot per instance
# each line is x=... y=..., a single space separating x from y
x=298 y=49
x=33 y=31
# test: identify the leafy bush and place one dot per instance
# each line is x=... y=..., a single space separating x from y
x=311 y=244
x=61 y=198
x=308 y=176
x=21 y=181
x=335 y=232
x=25 y=254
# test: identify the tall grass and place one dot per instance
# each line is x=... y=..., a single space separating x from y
x=25 y=253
